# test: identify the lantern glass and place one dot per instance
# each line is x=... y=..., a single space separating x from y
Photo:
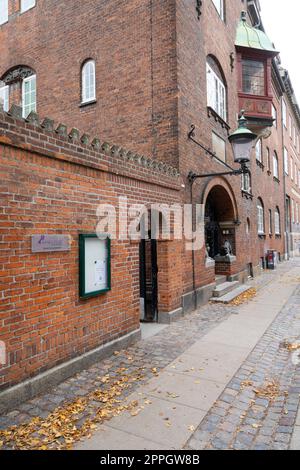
x=242 y=147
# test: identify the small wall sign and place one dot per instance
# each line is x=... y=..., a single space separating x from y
x=94 y=265
x=49 y=243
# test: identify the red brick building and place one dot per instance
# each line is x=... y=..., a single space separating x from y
x=113 y=69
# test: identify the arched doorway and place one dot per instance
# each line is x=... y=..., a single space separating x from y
x=220 y=219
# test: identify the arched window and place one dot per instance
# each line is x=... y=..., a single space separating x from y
x=246 y=182
x=23 y=81
x=277 y=221
x=88 y=81
x=3 y=11
x=275 y=166
x=219 y=4
x=260 y=217
x=258 y=151
x=27 y=5
x=248 y=226
x=216 y=88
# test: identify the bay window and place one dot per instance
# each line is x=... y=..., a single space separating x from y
x=253 y=73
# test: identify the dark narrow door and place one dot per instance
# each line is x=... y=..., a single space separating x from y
x=148 y=280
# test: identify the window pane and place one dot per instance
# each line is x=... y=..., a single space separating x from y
x=27 y=4
x=3 y=11
x=4 y=97
x=253 y=77
x=29 y=95
x=219 y=4
x=88 y=82
x=216 y=93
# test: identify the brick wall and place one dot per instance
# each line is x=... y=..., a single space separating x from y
x=52 y=184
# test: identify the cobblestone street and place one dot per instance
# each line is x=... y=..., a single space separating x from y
x=256 y=410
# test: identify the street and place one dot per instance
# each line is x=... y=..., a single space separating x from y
x=224 y=377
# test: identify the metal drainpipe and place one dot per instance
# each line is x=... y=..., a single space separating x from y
x=193 y=251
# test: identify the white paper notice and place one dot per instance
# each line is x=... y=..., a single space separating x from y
x=100 y=274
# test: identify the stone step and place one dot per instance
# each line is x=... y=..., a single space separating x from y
x=220 y=279
x=224 y=288
x=227 y=298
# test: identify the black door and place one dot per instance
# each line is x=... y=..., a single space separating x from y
x=148 y=280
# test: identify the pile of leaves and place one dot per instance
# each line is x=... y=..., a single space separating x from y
x=74 y=421
x=245 y=297
x=291 y=347
x=270 y=390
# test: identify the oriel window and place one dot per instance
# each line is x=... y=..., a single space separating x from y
x=253 y=77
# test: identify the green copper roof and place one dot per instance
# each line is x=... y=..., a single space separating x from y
x=253 y=38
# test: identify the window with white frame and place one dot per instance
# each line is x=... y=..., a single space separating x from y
x=27 y=5
x=246 y=182
x=292 y=168
x=284 y=114
x=3 y=11
x=275 y=166
x=216 y=93
x=270 y=222
x=274 y=115
x=4 y=97
x=277 y=222
x=260 y=217
x=219 y=4
x=258 y=150
x=88 y=79
x=286 y=161
x=290 y=126
x=29 y=95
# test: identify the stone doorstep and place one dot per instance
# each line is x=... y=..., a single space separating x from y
x=226 y=299
x=225 y=288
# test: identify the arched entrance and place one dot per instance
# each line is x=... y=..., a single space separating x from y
x=220 y=219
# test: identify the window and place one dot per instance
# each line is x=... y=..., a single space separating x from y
x=219 y=4
x=3 y=11
x=284 y=114
x=260 y=218
x=292 y=168
x=4 y=97
x=258 y=150
x=253 y=77
x=277 y=222
x=219 y=146
x=290 y=126
x=275 y=166
x=296 y=174
x=248 y=226
x=293 y=211
x=270 y=222
x=88 y=82
x=246 y=182
x=286 y=161
x=29 y=95
x=216 y=92
x=274 y=115
x=26 y=5
x=268 y=159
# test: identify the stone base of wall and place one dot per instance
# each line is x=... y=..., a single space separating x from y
x=166 y=318
x=29 y=389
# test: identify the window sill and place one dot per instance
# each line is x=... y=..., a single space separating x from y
x=247 y=194
x=212 y=113
x=277 y=236
x=83 y=104
x=262 y=236
x=276 y=180
x=260 y=164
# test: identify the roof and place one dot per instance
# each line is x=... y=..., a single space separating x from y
x=253 y=38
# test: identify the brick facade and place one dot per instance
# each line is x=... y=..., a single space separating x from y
x=151 y=86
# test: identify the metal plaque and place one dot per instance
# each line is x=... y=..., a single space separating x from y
x=49 y=243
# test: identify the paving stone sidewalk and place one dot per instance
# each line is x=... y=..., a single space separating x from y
x=258 y=408
x=162 y=349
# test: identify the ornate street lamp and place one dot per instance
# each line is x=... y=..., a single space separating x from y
x=241 y=141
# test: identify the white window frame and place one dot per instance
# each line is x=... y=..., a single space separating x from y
x=286 y=161
x=275 y=166
x=219 y=5
x=260 y=218
x=258 y=150
x=4 y=95
x=32 y=104
x=91 y=96
x=246 y=182
x=27 y=5
x=274 y=115
x=3 y=11
x=277 y=222
x=216 y=93
x=284 y=113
